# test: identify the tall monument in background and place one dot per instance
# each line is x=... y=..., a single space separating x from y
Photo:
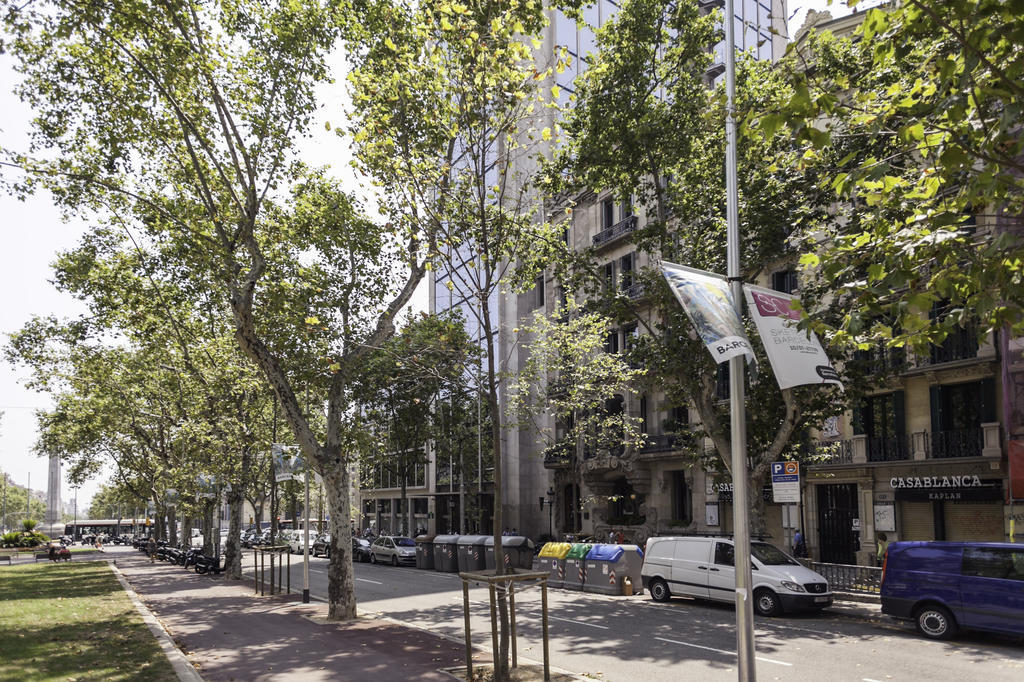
x=53 y=508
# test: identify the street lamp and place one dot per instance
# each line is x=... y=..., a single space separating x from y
x=74 y=533
x=550 y=501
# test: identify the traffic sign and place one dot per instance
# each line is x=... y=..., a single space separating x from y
x=786 y=482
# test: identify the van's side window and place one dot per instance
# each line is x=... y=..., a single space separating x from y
x=994 y=562
x=725 y=555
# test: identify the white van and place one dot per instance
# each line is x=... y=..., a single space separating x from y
x=702 y=567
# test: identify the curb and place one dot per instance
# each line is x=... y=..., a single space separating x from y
x=181 y=665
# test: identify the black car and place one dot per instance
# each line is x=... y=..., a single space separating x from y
x=360 y=548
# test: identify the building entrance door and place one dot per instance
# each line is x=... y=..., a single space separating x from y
x=837 y=510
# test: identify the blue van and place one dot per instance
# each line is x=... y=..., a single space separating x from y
x=947 y=586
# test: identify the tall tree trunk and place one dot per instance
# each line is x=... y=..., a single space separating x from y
x=186 y=531
x=501 y=662
x=233 y=547
x=340 y=576
x=208 y=513
x=172 y=522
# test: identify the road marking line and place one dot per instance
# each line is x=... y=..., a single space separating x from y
x=367 y=580
x=720 y=651
x=868 y=679
x=578 y=622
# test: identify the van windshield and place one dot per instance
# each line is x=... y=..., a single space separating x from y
x=770 y=555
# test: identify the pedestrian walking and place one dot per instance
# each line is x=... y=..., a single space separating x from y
x=883 y=547
x=611 y=536
x=151 y=548
x=799 y=548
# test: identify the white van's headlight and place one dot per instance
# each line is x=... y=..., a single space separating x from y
x=792 y=586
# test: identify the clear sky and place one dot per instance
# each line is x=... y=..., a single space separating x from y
x=33 y=233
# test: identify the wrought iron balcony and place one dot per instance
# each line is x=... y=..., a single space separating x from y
x=635 y=291
x=825 y=452
x=958 y=443
x=667 y=442
x=558 y=457
x=616 y=231
x=888 y=449
x=960 y=345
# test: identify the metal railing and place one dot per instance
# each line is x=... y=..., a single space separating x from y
x=888 y=449
x=623 y=227
x=960 y=443
x=846 y=578
x=830 y=452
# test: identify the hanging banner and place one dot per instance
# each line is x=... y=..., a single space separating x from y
x=705 y=298
x=289 y=464
x=796 y=356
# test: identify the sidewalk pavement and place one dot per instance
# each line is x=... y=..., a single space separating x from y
x=230 y=634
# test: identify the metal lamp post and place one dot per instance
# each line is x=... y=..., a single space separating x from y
x=738 y=433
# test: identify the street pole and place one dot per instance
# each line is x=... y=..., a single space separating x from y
x=28 y=496
x=3 y=524
x=741 y=522
x=75 y=533
x=305 y=548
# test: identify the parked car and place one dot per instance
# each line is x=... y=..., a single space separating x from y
x=948 y=586
x=703 y=567
x=296 y=540
x=393 y=549
x=360 y=548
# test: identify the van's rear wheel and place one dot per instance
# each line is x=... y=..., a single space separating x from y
x=659 y=590
x=935 y=622
x=766 y=602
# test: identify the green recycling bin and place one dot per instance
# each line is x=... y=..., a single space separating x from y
x=609 y=565
x=576 y=566
x=552 y=559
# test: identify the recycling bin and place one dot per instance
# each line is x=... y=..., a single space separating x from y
x=607 y=565
x=518 y=551
x=576 y=566
x=425 y=551
x=446 y=554
x=552 y=559
x=471 y=553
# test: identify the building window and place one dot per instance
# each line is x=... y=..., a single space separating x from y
x=539 y=287
x=626 y=208
x=681 y=507
x=607 y=214
x=957 y=413
x=882 y=419
x=784 y=281
x=609 y=276
x=722 y=381
x=626 y=267
x=643 y=414
x=611 y=343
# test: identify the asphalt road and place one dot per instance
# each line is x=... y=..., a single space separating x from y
x=634 y=638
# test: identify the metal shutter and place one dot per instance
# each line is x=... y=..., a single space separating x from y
x=974 y=521
x=917 y=523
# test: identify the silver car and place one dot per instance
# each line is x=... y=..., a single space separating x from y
x=393 y=549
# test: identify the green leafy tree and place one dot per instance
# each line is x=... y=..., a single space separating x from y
x=446 y=106
x=400 y=389
x=646 y=125
x=564 y=389
x=181 y=120
x=915 y=128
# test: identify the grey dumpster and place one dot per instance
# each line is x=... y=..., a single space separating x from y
x=425 y=551
x=576 y=566
x=552 y=559
x=471 y=552
x=518 y=551
x=446 y=553
x=607 y=565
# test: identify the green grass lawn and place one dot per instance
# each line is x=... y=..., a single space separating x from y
x=73 y=621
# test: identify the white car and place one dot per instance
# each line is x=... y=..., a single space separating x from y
x=393 y=549
x=296 y=540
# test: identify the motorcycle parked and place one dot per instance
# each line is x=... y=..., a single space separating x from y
x=208 y=564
